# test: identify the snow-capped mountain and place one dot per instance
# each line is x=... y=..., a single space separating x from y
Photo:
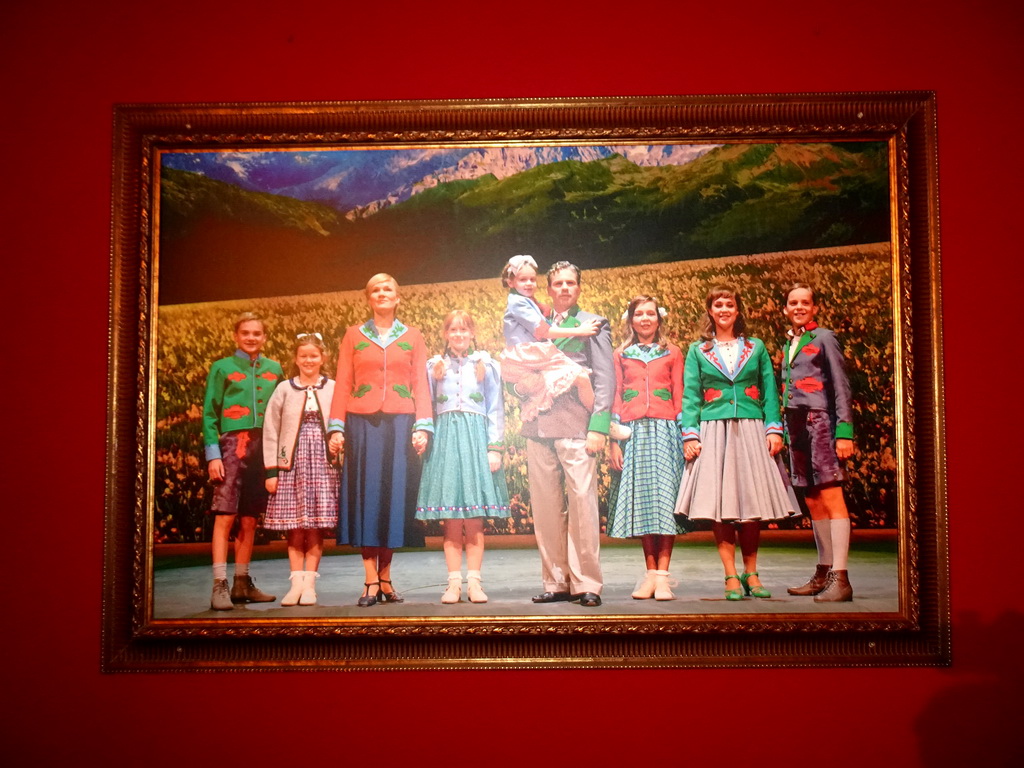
x=360 y=182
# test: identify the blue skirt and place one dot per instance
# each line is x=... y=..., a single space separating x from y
x=379 y=482
x=457 y=481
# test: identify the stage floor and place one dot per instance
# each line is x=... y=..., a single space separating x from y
x=511 y=575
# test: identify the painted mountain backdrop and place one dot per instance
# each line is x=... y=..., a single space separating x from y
x=238 y=225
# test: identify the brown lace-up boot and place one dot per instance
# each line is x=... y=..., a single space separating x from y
x=244 y=591
x=838 y=589
x=816 y=583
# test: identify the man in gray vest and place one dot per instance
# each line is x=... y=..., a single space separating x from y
x=563 y=445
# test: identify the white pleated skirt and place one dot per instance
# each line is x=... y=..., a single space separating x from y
x=735 y=479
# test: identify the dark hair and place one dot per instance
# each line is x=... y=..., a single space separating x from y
x=635 y=302
x=707 y=324
x=797 y=286
x=558 y=266
x=246 y=317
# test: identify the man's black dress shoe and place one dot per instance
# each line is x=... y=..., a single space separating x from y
x=552 y=597
x=588 y=599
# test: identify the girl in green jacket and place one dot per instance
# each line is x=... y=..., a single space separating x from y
x=732 y=432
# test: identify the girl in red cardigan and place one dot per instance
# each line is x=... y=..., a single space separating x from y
x=648 y=398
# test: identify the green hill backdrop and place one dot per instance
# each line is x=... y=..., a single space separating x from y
x=220 y=242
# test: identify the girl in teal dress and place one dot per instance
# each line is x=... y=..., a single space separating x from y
x=463 y=483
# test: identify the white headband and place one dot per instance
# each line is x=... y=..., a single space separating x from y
x=516 y=263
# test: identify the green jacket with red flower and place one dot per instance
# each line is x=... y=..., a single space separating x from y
x=711 y=392
x=237 y=392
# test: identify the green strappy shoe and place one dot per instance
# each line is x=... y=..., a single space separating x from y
x=755 y=591
x=733 y=594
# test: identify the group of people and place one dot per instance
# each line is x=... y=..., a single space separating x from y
x=399 y=438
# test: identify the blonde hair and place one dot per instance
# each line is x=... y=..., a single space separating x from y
x=470 y=323
x=246 y=317
x=380 y=277
x=635 y=302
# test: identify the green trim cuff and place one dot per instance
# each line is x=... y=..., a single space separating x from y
x=600 y=422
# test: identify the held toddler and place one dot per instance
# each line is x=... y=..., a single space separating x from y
x=530 y=358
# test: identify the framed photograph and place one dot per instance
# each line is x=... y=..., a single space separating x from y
x=287 y=210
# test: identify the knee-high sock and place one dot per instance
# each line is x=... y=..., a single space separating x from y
x=823 y=540
x=840 y=543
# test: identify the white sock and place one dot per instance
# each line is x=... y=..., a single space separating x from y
x=220 y=571
x=241 y=569
x=840 y=543
x=823 y=540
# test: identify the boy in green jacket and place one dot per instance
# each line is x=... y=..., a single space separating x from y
x=237 y=391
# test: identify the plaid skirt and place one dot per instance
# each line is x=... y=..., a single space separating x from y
x=307 y=495
x=643 y=499
x=734 y=479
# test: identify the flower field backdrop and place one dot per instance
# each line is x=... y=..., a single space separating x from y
x=853 y=285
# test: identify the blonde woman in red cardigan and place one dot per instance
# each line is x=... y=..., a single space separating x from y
x=381 y=417
x=648 y=400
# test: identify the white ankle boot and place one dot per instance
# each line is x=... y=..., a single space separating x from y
x=308 y=596
x=454 y=592
x=475 y=591
x=645 y=590
x=292 y=598
x=663 y=583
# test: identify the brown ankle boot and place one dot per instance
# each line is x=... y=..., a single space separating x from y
x=816 y=583
x=838 y=589
x=244 y=591
x=221 y=598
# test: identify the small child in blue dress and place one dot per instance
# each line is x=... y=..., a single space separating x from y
x=463 y=482
x=530 y=358
x=301 y=480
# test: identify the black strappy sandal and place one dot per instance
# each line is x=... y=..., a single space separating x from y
x=367 y=599
x=392 y=596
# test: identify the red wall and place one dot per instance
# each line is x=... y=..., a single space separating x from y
x=63 y=66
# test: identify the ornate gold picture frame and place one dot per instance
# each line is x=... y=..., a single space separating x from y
x=157 y=278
